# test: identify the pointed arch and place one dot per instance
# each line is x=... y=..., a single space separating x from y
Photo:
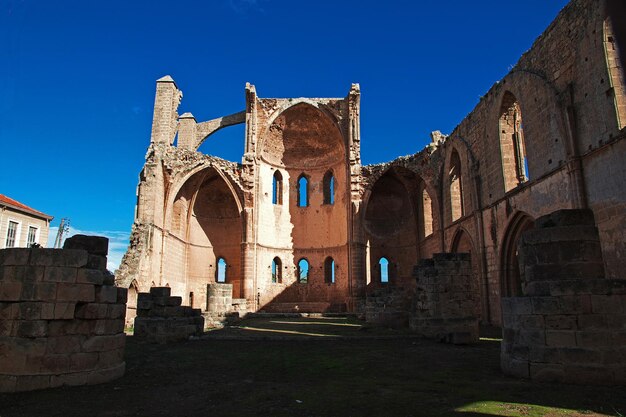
x=426 y=213
x=220 y=271
x=302 y=136
x=277 y=270
x=383 y=266
x=277 y=188
x=303 y=190
x=510 y=281
x=303 y=271
x=455 y=187
x=614 y=53
x=329 y=270
x=329 y=188
x=512 y=143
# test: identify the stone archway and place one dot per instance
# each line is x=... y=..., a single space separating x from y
x=510 y=282
x=462 y=243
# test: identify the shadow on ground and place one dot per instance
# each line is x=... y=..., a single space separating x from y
x=323 y=369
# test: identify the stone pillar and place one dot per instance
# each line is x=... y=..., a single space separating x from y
x=444 y=306
x=570 y=323
x=161 y=318
x=165 y=117
x=187 y=132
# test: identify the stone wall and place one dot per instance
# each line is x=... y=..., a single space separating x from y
x=570 y=323
x=162 y=319
x=445 y=299
x=61 y=317
x=388 y=306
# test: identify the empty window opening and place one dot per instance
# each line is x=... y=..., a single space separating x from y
x=277 y=188
x=303 y=191
x=329 y=270
x=613 y=49
x=329 y=188
x=11 y=234
x=221 y=270
x=456 y=187
x=303 y=271
x=427 y=214
x=277 y=270
x=512 y=143
x=383 y=264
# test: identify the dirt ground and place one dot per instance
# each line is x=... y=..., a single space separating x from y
x=315 y=367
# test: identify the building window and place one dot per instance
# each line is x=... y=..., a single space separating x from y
x=12 y=234
x=456 y=187
x=427 y=214
x=303 y=271
x=221 y=270
x=303 y=191
x=329 y=270
x=512 y=143
x=329 y=188
x=383 y=264
x=32 y=236
x=277 y=188
x=277 y=274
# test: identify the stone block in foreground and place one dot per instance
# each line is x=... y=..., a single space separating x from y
x=61 y=319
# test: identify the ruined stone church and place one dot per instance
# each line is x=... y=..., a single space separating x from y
x=300 y=225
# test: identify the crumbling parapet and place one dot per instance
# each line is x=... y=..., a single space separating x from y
x=61 y=317
x=444 y=306
x=162 y=319
x=570 y=323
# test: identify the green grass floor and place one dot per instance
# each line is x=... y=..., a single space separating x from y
x=336 y=374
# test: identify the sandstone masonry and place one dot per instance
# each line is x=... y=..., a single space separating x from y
x=61 y=317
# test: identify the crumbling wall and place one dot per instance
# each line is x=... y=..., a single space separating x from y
x=62 y=317
x=388 y=306
x=445 y=299
x=570 y=323
x=162 y=319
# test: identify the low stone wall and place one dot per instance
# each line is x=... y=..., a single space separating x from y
x=444 y=306
x=570 y=324
x=162 y=319
x=388 y=306
x=61 y=317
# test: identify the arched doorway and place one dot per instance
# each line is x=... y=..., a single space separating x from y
x=510 y=282
x=462 y=243
x=131 y=304
x=390 y=222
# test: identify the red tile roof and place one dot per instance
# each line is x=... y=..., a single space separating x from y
x=9 y=202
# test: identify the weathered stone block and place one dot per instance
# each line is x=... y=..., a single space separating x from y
x=75 y=292
x=60 y=274
x=89 y=276
x=9 y=311
x=31 y=328
x=97 y=262
x=106 y=294
x=83 y=361
x=10 y=291
x=15 y=256
x=95 y=245
x=64 y=344
x=560 y=338
x=158 y=292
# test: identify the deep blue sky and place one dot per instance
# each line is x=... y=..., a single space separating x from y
x=77 y=79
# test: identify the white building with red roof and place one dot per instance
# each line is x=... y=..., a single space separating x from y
x=22 y=226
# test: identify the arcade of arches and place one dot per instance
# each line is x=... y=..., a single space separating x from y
x=301 y=225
